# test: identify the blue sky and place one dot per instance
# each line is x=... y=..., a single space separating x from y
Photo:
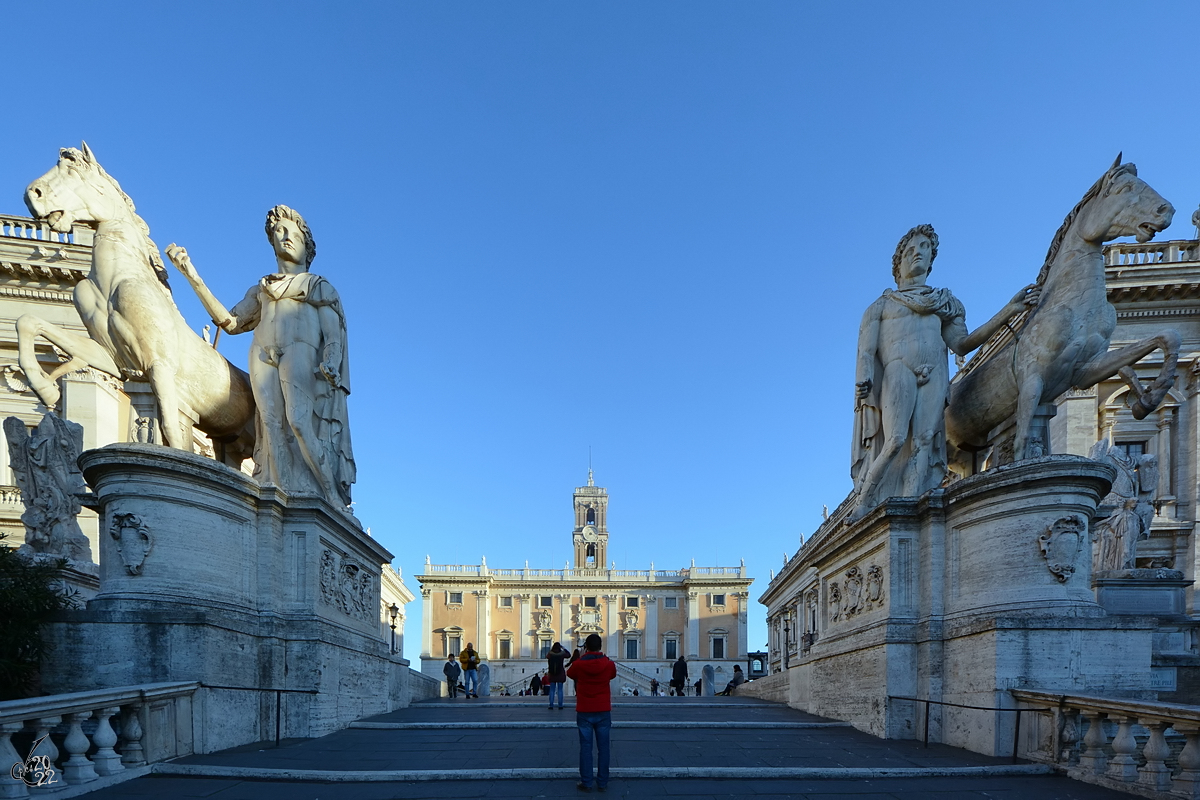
x=646 y=228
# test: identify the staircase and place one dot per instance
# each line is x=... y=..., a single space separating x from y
x=688 y=746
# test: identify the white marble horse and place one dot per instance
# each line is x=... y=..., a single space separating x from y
x=1063 y=342
x=134 y=329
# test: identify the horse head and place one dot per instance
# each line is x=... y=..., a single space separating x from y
x=75 y=189
x=1124 y=205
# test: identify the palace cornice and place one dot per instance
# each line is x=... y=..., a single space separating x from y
x=60 y=272
x=35 y=293
x=1190 y=311
x=1154 y=292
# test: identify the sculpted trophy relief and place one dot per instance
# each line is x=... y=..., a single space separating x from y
x=299 y=369
x=903 y=376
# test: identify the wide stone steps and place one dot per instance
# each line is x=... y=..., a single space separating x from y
x=518 y=748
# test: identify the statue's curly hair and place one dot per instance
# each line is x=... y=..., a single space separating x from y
x=926 y=230
x=283 y=212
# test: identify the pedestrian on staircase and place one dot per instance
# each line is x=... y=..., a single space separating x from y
x=592 y=673
x=679 y=676
x=451 y=670
x=556 y=675
x=535 y=684
x=470 y=664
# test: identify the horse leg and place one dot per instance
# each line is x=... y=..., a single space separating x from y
x=83 y=352
x=1116 y=361
x=162 y=381
x=1029 y=395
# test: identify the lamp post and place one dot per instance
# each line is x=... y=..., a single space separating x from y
x=393 y=611
x=786 y=644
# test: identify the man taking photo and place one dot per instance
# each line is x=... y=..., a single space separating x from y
x=592 y=672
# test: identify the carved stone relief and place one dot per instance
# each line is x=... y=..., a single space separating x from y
x=1060 y=546
x=631 y=619
x=347 y=586
x=134 y=541
x=857 y=592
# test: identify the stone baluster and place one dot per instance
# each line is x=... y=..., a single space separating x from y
x=1187 y=782
x=1123 y=766
x=1093 y=759
x=1156 y=775
x=41 y=728
x=106 y=759
x=131 y=736
x=78 y=769
x=9 y=757
x=1068 y=739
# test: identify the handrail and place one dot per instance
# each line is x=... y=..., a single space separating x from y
x=928 y=702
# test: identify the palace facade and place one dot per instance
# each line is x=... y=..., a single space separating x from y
x=647 y=618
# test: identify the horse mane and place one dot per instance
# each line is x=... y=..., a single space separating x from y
x=152 y=254
x=1090 y=195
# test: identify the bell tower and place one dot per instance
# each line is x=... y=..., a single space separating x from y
x=591 y=525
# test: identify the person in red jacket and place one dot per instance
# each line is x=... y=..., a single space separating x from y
x=592 y=672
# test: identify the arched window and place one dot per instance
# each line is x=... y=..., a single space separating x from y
x=591 y=516
x=591 y=554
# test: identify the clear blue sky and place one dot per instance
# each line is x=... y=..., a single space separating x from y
x=650 y=228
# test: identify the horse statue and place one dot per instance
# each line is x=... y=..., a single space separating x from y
x=134 y=328
x=1063 y=342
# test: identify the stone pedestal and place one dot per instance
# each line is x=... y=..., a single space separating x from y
x=271 y=602
x=1160 y=592
x=959 y=596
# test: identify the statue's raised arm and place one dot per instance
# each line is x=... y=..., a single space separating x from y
x=183 y=262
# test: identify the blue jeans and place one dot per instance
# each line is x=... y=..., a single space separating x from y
x=596 y=725
x=470 y=682
x=556 y=689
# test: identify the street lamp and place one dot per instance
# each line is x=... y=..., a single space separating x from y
x=394 y=611
x=786 y=644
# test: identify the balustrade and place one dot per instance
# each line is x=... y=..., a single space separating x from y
x=1141 y=750
x=573 y=574
x=80 y=722
x=1168 y=252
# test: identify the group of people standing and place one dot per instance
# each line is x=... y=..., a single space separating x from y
x=467 y=666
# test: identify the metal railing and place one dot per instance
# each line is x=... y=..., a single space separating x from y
x=928 y=703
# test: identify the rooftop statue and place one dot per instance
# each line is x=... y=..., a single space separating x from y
x=903 y=375
x=299 y=365
x=134 y=329
x=1063 y=343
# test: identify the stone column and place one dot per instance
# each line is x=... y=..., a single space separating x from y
x=610 y=625
x=524 y=621
x=564 y=619
x=426 y=623
x=1166 y=496
x=651 y=627
x=742 y=648
x=693 y=625
x=483 y=619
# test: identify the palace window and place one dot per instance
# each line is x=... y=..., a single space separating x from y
x=589 y=602
x=453 y=645
x=671 y=649
x=632 y=602
x=718 y=600
x=670 y=602
x=1134 y=450
x=505 y=602
x=718 y=647
x=545 y=601
x=505 y=648
x=546 y=645
x=454 y=598
x=631 y=649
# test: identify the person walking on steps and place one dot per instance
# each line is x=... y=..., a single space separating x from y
x=470 y=664
x=535 y=684
x=592 y=673
x=451 y=670
x=679 y=677
x=556 y=675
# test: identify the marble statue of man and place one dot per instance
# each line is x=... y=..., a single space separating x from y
x=299 y=368
x=903 y=376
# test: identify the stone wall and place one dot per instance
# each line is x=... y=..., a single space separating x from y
x=774 y=688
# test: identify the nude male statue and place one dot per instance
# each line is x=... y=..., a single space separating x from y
x=299 y=368
x=902 y=378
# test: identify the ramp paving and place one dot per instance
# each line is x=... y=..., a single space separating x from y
x=661 y=747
